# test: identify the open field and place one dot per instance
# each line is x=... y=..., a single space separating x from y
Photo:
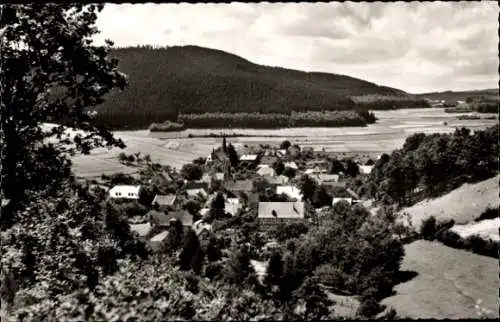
x=487 y=229
x=449 y=284
x=176 y=148
x=463 y=204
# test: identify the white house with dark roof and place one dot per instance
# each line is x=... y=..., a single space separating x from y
x=292 y=165
x=124 y=192
x=365 y=169
x=272 y=213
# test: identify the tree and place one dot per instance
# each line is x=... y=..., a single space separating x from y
x=175 y=237
x=352 y=169
x=279 y=167
x=213 y=249
x=274 y=269
x=191 y=172
x=218 y=205
x=307 y=186
x=232 y=155
x=336 y=166
x=192 y=206
x=321 y=197
x=51 y=75
x=428 y=228
x=285 y=145
x=122 y=157
x=289 y=172
x=191 y=255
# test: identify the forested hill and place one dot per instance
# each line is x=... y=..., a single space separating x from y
x=460 y=95
x=164 y=82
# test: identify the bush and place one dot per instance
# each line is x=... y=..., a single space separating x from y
x=490 y=213
x=428 y=228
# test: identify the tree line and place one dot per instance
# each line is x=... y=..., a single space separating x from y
x=431 y=165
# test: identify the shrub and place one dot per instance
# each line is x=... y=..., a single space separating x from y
x=428 y=228
x=490 y=213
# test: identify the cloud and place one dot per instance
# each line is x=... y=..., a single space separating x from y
x=414 y=46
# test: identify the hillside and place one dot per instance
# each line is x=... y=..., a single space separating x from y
x=463 y=204
x=460 y=95
x=450 y=283
x=164 y=82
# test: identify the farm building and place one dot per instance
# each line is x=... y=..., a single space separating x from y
x=197 y=192
x=124 y=192
x=266 y=171
x=277 y=180
x=365 y=169
x=165 y=200
x=290 y=191
x=272 y=213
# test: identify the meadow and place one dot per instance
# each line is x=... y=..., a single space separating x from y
x=451 y=283
x=177 y=148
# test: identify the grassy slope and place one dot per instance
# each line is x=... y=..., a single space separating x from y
x=448 y=285
x=459 y=95
x=463 y=204
x=164 y=82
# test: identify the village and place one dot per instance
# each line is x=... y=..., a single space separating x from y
x=263 y=185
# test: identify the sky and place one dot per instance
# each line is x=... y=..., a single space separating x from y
x=414 y=46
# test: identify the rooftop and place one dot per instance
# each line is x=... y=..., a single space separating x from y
x=281 y=210
x=164 y=200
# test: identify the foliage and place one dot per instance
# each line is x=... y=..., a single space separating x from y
x=276 y=120
x=321 y=197
x=431 y=165
x=46 y=78
x=191 y=171
x=285 y=145
x=307 y=186
x=278 y=167
x=288 y=231
x=384 y=102
x=289 y=172
x=490 y=213
x=192 y=206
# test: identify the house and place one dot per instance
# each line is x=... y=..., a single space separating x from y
x=290 y=191
x=165 y=200
x=281 y=152
x=247 y=160
x=365 y=169
x=220 y=176
x=335 y=200
x=277 y=180
x=272 y=213
x=206 y=178
x=326 y=179
x=124 y=192
x=238 y=186
x=197 y=192
x=315 y=170
x=266 y=171
x=291 y=164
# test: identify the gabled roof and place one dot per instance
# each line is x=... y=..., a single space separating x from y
x=161 y=219
x=219 y=176
x=281 y=209
x=232 y=208
x=239 y=185
x=335 y=200
x=164 y=200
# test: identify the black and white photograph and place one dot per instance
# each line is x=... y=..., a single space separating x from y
x=249 y=161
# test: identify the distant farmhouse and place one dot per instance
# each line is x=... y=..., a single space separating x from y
x=124 y=192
